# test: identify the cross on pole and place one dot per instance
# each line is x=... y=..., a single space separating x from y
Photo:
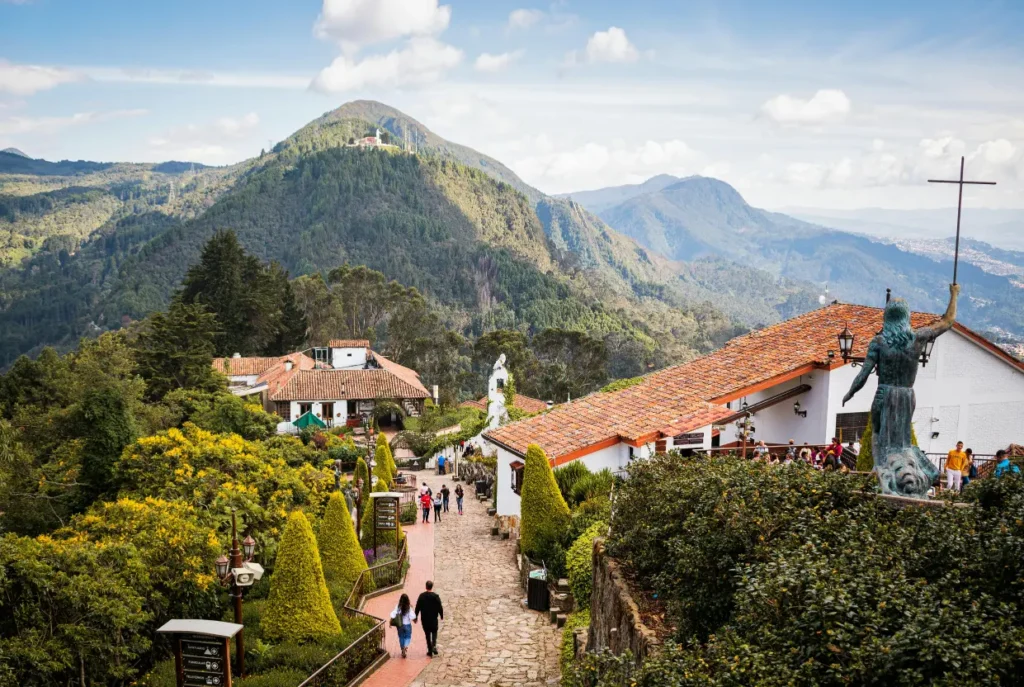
x=959 y=206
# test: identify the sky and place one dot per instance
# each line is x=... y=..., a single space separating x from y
x=818 y=104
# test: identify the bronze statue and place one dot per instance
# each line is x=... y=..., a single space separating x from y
x=902 y=468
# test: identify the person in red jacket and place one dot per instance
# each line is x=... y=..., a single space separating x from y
x=425 y=503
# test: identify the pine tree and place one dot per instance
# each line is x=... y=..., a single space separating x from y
x=174 y=350
x=545 y=519
x=340 y=551
x=107 y=425
x=299 y=606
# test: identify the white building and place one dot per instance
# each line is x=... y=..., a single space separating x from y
x=340 y=384
x=970 y=391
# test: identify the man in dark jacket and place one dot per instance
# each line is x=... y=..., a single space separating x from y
x=428 y=605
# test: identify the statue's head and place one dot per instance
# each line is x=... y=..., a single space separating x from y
x=896 y=324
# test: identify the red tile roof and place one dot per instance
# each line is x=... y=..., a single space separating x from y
x=270 y=371
x=349 y=343
x=407 y=375
x=244 y=366
x=689 y=396
x=330 y=385
x=523 y=403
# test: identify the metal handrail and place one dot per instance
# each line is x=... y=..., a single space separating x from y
x=376 y=634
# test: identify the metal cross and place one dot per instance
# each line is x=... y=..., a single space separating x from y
x=959 y=206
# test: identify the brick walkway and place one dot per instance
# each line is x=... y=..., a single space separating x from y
x=488 y=637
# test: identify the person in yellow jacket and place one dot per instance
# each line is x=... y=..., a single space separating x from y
x=956 y=466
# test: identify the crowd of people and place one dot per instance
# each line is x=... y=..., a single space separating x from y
x=439 y=501
x=819 y=457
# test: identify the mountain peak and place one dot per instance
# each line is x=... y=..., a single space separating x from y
x=700 y=185
x=15 y=151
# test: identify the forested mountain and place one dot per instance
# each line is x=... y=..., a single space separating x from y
x=601 y=199
x=699 y=217
x=489 y=250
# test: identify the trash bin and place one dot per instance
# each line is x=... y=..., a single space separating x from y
x=481 y=487
x=537 y=591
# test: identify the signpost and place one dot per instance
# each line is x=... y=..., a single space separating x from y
x=385 y=514
x=202 y=651
x=688 y=439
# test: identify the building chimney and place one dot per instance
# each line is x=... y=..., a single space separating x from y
x=237 y=355
x=435 y=393
x=551 y=404
x=288 y=364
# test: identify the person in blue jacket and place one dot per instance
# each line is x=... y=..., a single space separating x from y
x=1004 y=466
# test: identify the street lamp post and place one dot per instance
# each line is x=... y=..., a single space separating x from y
x=227 y=572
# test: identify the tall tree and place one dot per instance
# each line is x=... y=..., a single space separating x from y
x=106 y=425
x=519 y=359
x=175 y=350
x=571 y=363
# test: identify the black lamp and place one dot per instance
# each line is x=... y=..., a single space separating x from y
x=927 y=352
x=846 y=342
x=796 y=409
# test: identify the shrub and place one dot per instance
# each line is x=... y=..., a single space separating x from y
x=279 y=677
x=593 y=485
x=299 y=606
x=410 y=512
x=567 y=476
x=362 y=472
x=575 y=621
x=579 y=563
x=865 y=457
x=545 y=519
x=383 y=467
x=587 y=513
x=340 y=552
x=389 y=458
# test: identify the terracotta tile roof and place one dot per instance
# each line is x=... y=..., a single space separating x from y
x=693 y=395
x=407 y=375
x=523 y=403
x=329 y=385
x=244 y=366
x=348 y=343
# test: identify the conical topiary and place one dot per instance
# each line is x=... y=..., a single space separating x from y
x=340 y=551
x=382 y=469
x=865 y=457
x=382 y=443
x=299 y=606
x=545 y=520
x=362 y=472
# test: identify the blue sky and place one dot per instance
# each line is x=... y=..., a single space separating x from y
x=825 y=104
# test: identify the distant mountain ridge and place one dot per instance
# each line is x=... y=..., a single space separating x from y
x=702 y=218
x=604 y=198
x=14 y=151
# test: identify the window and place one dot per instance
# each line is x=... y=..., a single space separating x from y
x=284 y=410
x=500 y=382
x=327 y=410
x=322 y=355
x=850 y=426
x=517 y=476
x=305 y=408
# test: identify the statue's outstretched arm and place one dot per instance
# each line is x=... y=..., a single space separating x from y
x=865 y=371
x=930 y=332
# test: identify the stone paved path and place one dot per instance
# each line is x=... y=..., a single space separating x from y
x=488 y=637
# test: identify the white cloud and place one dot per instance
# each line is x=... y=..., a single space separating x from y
x=827 y=105
x=611 y=46
x=525 y=18
x=941 y=147
x=495 y=63
x=594 y=164
x=26 y=79
x=421 y=61
x=998 y=152
x=204 y=142
x=13 y=126
x=192 y=77
x=355 y=23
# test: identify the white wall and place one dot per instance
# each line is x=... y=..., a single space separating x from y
x=347 y=358
x=339 y=407
x=778 y=424
x=242 y=380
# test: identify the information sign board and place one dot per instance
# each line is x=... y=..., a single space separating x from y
x=688 y=439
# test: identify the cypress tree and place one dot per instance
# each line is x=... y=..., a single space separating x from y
x=299 y=606
x=362 y=472
x=382 y=443
x=340 y=551
x=383 y=467
x=545 y=519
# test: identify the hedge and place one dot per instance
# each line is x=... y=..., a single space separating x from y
x=299 y=606
x=340 y=551
x=545 y=515
x=579 y=563
x=567 y=656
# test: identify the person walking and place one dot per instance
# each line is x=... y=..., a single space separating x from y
x=440 y=464
x=429 y=608
x=956 y=465
x=445 y=495
x=437 y=507
x=459 y=494
x=1004 y=466
x=402 y=619
x=972 y=471
x=425 y=503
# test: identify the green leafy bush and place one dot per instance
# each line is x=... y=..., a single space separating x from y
x=865 y=457
x=279 y=677
x=575 y=621
x=587 y=513
x=592 y=486
x=579 y=563
x=299 y=606
x=567 y=475
x=545 y=520
x=340 y=551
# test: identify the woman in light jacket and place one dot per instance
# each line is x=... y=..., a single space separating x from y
x=403 y=611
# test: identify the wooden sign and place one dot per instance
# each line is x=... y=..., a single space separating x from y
x=688 y=439
x=385 y=513
x=202 y=652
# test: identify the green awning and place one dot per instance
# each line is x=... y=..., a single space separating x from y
x=308 y=419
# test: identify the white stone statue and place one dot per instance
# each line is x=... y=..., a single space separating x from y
x=497 y=414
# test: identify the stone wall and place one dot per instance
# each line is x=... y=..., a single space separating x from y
x=615 y=621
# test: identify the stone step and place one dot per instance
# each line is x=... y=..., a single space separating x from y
x=562 y=585
x=553 y=614
x=560 y=620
